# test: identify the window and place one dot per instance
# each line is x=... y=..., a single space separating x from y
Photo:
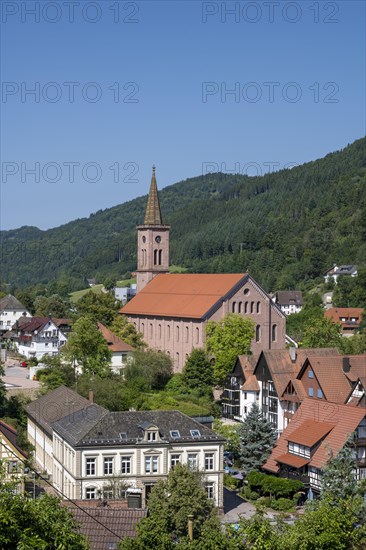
x=195 y=433
x=90 y=466
x=311 y=392
x=209 y=461
x=168 y=332
x=246 y=307
x=174 y=459
x=311 y=374
x=151 y=330
x=155 y=257
x=300 y=450
x=160 y=257
x=90 y=493
x=177 y=333
x=210 y=490
x=197 y=335
x=123 y=435
x=107 y=494
x=151 y=436
x=274 y=333
x=192 y=461
x=159 y=332
x=108 y=466
x=233 y=307
x=125 y=465
x=151 y=464
x=187 y=334
x=246 y=291
x=257 y=333
x=14 y=467
x=174 y=434
x=251 y=307
x=319 y=393
x=245 y=396
x=239 y=306
x=258 y=307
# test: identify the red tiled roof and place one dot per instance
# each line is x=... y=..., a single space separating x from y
x=114 y=343
x=293 y=460
x=310 y=413
x=336 y=314
x=283 y=369
x=335 y=383
x=182 y=295
x=310 y=433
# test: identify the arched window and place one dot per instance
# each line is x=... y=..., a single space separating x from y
x=160 y=256
x=197 y=335
x=274 y=333
x=257 y=333
x=246 y=307
x=143 y=328
x=187 y=334
x=155 y=257
x=258 y=307
x=177 y=333
x=151 y=330
x=159 y=332
x=239 y=306
x=177 y=358
x=251 y=307
x=233 y=307
x=168 y=332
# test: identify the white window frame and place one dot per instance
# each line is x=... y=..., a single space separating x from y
x=151 y=464
x=90 y=464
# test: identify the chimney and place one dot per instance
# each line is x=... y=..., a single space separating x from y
x=346 y=364
x=91 y=396
x=293 y=354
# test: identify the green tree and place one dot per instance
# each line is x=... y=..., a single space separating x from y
x=56 y=373
x=54 y=305
x=127 y=332
x=86 y=347
x=226 y=339
x=170 y=503
x=151 y=368
x=257 y=437
x=322 y=333
x=101 y=307
x=339 y=476
x=40 y=524
x=198 y=372
x=3 y=402
x=230 y=433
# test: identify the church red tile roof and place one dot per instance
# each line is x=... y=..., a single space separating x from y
x=183 y=295
x=309 y=418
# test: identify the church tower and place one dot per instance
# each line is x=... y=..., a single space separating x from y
x=152 y=240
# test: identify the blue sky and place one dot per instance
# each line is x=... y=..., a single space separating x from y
x=149 y=82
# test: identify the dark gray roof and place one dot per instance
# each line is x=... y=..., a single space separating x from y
x=288 y=297
x=76 y=426
x=55 y=405
x=109 y=526
x=81 y=429
x=10 y=302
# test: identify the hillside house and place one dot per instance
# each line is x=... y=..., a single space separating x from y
x=39 y=336
x=12 y=456
x=289 y=301
x=349 y=318
x=11 y=310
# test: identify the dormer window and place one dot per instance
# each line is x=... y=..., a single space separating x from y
x=299 y=450
x=123 y=435
x=174 y=434
x=152 y=436
x=195 y=433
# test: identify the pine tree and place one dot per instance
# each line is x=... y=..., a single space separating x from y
x=257 y=437
x=339 y=476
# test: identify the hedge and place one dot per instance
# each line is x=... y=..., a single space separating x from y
x=274 y=486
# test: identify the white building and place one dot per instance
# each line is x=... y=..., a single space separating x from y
x=120 y=351
x=94 y=448
x=42 y=413
x=41 y=336
x=11 y=310
x=289 y=301
x=336 y=271
x=125 y=293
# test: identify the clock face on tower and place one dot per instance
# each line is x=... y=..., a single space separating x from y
x=158 y=239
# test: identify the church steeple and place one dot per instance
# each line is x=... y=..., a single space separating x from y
x=152 y=240
x=153 y=213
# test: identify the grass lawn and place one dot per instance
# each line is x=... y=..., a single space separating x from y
x=126 y=282
x=75 y=296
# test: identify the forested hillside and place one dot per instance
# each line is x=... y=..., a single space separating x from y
x=286 y=228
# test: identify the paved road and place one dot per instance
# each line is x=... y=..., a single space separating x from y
x=235 y=507
x=16 y=377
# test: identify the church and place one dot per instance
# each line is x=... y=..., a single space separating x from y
x=171 y=310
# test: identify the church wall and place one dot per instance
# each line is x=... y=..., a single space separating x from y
x=177 y=337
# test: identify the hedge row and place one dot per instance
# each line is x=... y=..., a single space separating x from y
x=265 y=484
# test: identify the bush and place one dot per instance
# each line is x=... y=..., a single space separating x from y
x=265 y=501
x=282 y=504
x=230 y=481
x=255 y=480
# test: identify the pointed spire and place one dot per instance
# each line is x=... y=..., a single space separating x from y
x=153 y=214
